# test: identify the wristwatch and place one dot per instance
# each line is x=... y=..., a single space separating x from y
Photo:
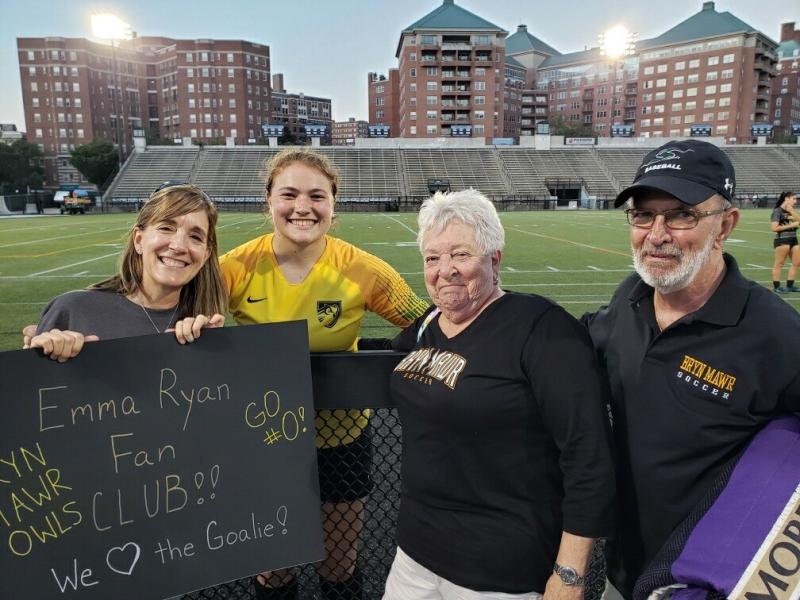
x=569 y=575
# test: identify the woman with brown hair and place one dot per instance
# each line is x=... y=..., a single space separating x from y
x=168 y=277
x=298 y=272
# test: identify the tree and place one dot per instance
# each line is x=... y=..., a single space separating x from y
x=558 y=126
x=95 y=160
x=20 y=166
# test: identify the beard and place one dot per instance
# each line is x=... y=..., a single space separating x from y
x=689 y=264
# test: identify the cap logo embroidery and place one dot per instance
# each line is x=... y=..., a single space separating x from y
x=667 y=154
x=728 y=185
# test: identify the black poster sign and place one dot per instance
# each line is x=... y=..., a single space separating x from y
x=144 y=469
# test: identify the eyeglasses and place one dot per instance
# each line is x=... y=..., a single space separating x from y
x=674 y=218
x=460 y=257
x=176 y=182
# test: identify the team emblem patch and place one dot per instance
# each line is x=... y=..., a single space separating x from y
x=328 y=312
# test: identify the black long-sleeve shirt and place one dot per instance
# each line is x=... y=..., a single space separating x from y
x=505 y=444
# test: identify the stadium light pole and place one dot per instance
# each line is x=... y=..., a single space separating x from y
x=112 y=28
x=616 y=43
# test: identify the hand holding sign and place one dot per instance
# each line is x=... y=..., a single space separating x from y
x=136 y=456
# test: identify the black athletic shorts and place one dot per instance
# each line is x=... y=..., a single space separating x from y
x=791 y=242
x=344 y=470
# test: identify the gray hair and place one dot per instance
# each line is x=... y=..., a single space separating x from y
x=471 y=208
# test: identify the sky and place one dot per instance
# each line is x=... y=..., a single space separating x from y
x=327 y=47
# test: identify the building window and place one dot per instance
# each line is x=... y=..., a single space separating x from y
x=661 y=83
x=431 y=115
x=432 y=71
x=480 y=100
x=713 y=60
x=80 y=133
x=190 y=58
x=691 y=105
x=711 y=76
x=649 y=70
x=412 y=72
x=691 y=92
x=76 y=88
x=725 y=88
x=431 y=129
x=432 y=100
x=727 y=101
x=38 y=133
x=428 y=40
x=680 y=66
x=479 y=114
x=380 y=101
x=231 y=102
x=30 y=56
x=431 y=86
x=191 y=103
x=678 y=80
x=688 y=119
x=34 y=86
x=728 y=58
x=662 y=68
x=413 y=130
x=230 y=57
x=677 y=107
x=412 y=115
x=481 y=40
x=231 y=88
x=723 y=115
x=711 y=89
x=709 y=103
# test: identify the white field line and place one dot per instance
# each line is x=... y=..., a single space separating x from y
x=399 y=222
x=236 y=223
x=553 y=269
x=593 y=268
x=82 y=275
x=88 y=260
x=60 y=237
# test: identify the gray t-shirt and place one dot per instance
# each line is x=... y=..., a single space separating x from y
x=781 y=217
x=107 y=315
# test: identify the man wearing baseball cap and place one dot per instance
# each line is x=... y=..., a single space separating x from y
x=698 y=358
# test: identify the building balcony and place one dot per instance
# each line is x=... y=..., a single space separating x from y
x=453 y=46
x=631 y=91
x=766 y=53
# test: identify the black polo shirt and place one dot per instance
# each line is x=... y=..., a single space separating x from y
x=687 y=399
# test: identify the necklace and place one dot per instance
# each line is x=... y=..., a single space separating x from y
x=149 y=318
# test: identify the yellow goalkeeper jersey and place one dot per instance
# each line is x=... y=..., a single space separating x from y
x=343 y=284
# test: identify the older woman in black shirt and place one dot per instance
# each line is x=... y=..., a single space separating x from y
x=507 y=477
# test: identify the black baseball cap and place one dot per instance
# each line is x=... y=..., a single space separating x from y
x=690 y=170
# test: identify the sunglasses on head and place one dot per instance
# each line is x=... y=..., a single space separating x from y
x=174 y=182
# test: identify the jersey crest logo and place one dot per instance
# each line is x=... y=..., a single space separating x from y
x=328 y=312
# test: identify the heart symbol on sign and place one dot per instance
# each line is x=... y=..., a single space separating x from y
x=124 y=557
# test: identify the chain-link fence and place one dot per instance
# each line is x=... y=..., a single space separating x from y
x=375 y=452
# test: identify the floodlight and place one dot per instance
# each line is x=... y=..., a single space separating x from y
x=616 y=41
x=110 y=27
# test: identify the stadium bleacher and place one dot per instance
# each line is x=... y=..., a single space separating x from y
x=396 y=173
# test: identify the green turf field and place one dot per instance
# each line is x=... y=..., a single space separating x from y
x=575 y=258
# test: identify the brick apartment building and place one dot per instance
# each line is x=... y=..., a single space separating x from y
x=384 y=100
x=346 y=132
x=711 y=69
x=295 y=111
x=451 y=76
x=75 y=90
x=785 y=107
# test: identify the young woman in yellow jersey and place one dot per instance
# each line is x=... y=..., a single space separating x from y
x=300 y=272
